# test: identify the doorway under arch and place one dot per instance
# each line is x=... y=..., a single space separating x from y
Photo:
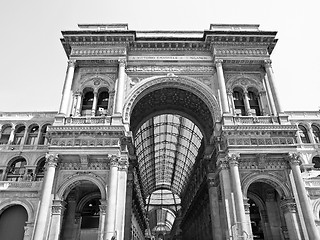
x=12 y=223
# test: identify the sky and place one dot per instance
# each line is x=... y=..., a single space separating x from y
x=33 y=63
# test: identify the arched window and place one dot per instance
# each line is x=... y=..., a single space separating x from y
x=32 y=135
x=316 y=161
x=42 y=139
x=16 y=170
x=19 y=134
x=254 y=102
x=239 y=102
x=5 y=135
x=303 y=134
x=316 y=133
x=40 y=169
x=87 y=101
x=103 y=101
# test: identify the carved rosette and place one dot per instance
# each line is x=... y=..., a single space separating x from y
x=52 y=159
x=288 y=206
x=294 y=159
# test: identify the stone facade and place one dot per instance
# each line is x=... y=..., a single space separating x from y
x=192 y=117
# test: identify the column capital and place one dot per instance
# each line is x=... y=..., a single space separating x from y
x=288 y=205
x=123 y=165
x=233 y=158
x=103 y=208
x=218 y=62
x=114 y=161
x=229 y=91
x=71 y=63
x=212 y=181
x=122 y=62
x=294 y=159
x=267 y=63
x=262 y=93
x=58 y=207
x=222 y=163
x=52 y=159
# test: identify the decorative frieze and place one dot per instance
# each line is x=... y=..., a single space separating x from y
x=241 y=51
x=78 y=142
x=91 y=52
x=174 y=69
x=260 y=141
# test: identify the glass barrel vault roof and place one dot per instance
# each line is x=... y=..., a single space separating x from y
x=166 y=147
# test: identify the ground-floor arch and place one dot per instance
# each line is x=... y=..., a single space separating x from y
x=13 y=220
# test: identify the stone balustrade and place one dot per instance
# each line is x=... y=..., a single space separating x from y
x=20 y=186
x=83 y=120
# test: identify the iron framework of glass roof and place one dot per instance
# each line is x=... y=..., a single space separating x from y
x=166 y=147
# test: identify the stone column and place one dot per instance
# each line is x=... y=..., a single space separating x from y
x=265 y=224
x=305 y=203
x=79 y=104
x=262 y=97
x=310 y=134
x=222 y=86
x=102 y=218
x=238 y=197
x=128 y=213
x=94 y=104
x=45 y=200
x=112 y=199
x=231 y=101
x=58 y=208
x=25 y=135
x=121 y=198
x=11 y=138
x=120 y=87
x=267 y=65
x=214 y=207
x=228 y=214
x=289 y=210
x=246 y=103
x=247 y=212
x=272 y=105
x=66 y=93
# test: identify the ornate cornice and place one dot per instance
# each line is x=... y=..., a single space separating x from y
x=241 y=51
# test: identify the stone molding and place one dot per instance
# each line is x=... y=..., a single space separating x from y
x=170 y=69
x=288 y=206
x=92 y=52
x=58 y=207
x=274 y=180
x=241 y=51
x=73 y=180
x=19 y=200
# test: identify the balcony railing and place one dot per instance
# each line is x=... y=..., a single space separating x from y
x=20 y=186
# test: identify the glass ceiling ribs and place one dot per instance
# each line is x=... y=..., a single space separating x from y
x=166 y=147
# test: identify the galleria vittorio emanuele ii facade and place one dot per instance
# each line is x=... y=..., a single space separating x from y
x=162 y=135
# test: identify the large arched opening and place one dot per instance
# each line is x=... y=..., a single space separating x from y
x=81 y=218
x=12 y=222
x=172 y=122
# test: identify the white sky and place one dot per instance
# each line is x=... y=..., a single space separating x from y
x=33 y=62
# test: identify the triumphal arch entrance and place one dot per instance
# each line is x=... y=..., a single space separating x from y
x=171 y=135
